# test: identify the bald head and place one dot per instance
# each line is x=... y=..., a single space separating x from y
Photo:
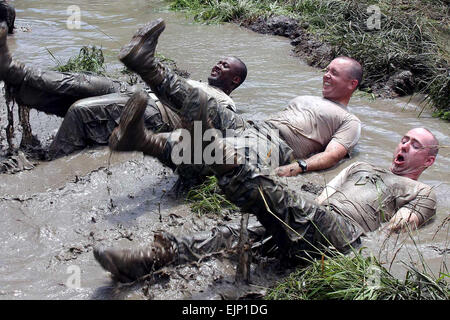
x=228 y=74
x=416 y=152
x=343 y=75
x=354 y=69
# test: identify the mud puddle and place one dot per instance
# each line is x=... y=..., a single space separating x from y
x=53 y=215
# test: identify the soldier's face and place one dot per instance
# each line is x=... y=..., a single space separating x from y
x=412 y=154
x=337 y=82
x=223 y=73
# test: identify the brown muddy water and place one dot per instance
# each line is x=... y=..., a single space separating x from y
x=53 y=215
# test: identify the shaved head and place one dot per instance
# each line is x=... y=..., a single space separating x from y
x=354 y=69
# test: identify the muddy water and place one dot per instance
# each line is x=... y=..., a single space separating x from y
x=53 y=215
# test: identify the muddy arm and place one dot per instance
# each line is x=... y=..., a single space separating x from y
x=415 y=213
x=403 y=220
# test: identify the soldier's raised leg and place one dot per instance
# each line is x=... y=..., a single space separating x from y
x=49 y=91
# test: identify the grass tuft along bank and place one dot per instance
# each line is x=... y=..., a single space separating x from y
x=402 y=44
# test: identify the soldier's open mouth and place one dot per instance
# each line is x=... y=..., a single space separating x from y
x=399 y=159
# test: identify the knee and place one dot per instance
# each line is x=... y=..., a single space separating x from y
x=76 y=107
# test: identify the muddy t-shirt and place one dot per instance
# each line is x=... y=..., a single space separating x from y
x=370 y=196
x=221 y=97
x=309 y=123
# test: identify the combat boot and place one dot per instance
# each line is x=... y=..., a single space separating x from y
x=8 y=15
x=139 y=54
x=128 y=265
x=131 y=134
x=5 y=56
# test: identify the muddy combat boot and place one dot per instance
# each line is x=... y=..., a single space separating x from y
x=139 y=54
x=129 y=265
x=5 y=56
x=7 y=15
x=131 y=134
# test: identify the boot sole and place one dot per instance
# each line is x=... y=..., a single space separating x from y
x=132 y=114
x=128 y=52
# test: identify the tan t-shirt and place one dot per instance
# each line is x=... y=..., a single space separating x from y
x=221 y=97
x=309 y=123
x=369 y=195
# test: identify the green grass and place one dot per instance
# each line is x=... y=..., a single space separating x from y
x=356 y=277
x=207 y=198
x=414 y=35
x=89 y=59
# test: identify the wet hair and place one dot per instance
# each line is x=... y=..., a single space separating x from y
x=242 y=70
x=356 y=71
x=434 y=147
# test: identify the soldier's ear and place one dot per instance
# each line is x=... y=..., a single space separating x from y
x=236 y=80
x=354 y=84
x=429 y=161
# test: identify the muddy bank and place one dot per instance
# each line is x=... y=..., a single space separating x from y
x=319 y=54
x=402 y=45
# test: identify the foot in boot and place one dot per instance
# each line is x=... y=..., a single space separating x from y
x=129 y=265
x=5 y=56
x=140 y=52
x=131 y=131
x=7 y=15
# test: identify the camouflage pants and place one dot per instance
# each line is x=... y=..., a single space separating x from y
x=91 y=106
x=90 y=121
x=293 y=218
x=221 y=238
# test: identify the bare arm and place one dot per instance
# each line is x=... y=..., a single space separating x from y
x=404 y=219
x=320 y=161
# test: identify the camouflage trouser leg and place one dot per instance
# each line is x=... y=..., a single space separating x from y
x=54 y=92
x=293 y=218
x=223 y=119
x=173 y=90
x=221 y=238
x=90 y=121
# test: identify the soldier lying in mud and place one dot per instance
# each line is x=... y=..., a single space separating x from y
x=358 y=200
x=91 y=105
